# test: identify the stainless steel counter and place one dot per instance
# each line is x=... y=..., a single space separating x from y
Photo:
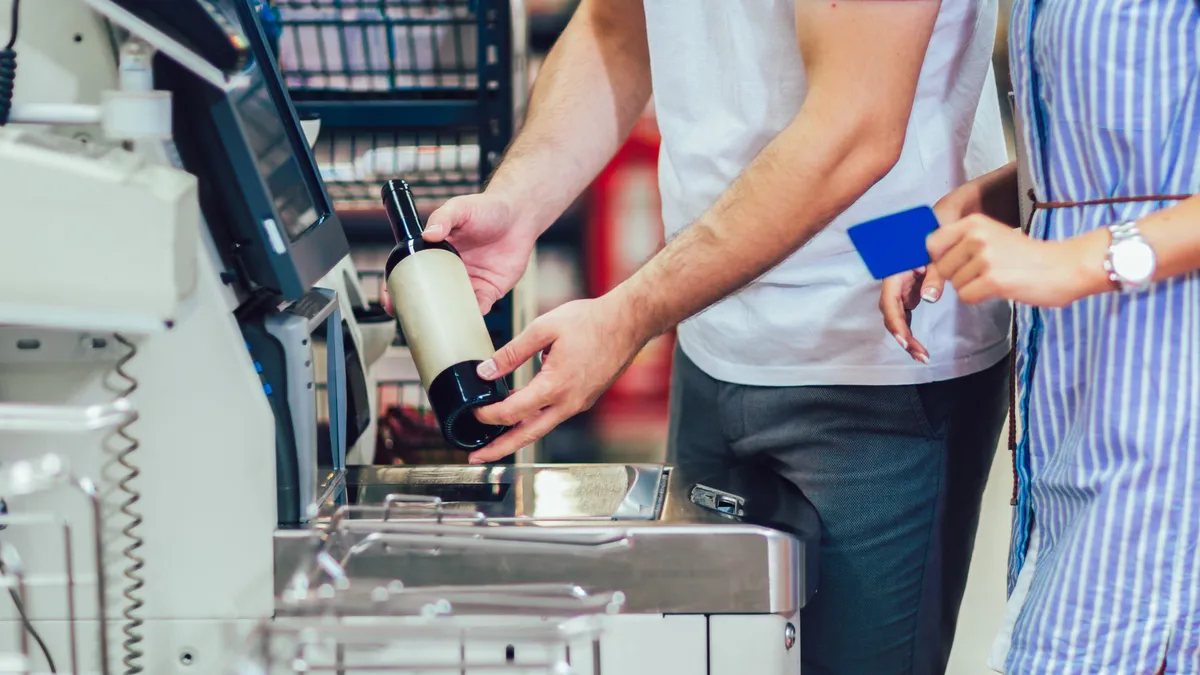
x=633 y=528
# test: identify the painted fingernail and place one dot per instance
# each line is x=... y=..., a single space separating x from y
x=902 y=341
x=487 y=369
x=923 y=359
x=931 y=295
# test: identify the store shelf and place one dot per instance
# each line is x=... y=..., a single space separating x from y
x=401 y=114
x=346 y=48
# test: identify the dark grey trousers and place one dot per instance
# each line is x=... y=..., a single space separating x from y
x=896 y=474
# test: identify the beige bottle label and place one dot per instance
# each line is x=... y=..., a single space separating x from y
x=438 y=312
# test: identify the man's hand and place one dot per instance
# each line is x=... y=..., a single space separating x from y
x=493 y=238
x=986 y=260
x=593 y=342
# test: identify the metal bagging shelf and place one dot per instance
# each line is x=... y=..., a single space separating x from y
x=333 y=615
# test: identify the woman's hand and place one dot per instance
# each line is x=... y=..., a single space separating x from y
x=986 y=260
x=903 y=293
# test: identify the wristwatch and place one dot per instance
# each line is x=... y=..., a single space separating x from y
x=1130 y=262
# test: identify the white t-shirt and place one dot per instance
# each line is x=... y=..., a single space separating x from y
x=728 y=78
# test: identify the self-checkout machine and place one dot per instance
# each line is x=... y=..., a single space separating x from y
x=179 y=280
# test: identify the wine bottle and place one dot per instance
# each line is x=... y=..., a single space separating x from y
x=441 y=322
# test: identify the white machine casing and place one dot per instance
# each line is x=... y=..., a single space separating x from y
x=71 y=263
x=113 y=260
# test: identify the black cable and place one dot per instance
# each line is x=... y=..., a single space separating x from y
x=8 y=66
x=28 y=625
x=16 y=16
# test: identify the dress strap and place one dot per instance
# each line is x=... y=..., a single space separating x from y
x=1051 y=205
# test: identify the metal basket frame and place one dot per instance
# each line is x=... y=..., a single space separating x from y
x=323 y=616
x=51 y=473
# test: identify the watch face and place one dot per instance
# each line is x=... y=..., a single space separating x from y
x=1133 y=261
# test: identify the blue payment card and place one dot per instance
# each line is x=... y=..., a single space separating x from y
x=896 y=243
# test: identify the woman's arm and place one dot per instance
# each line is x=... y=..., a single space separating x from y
x=1173 y=233
x=992 y=194
x=985 y=259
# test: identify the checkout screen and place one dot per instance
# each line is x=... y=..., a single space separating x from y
x=275 y=156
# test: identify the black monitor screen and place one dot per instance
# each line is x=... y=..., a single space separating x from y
x=275 y=157
x=260 y=190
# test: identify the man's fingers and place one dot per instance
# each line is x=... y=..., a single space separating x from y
x=519 y=436
x=933 y=286
x=536 y=337
x=484 y=296
x=385 y=299
x=522 y=404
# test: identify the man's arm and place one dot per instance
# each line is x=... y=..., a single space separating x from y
x=589 y=93
x=862 y=59
x=591 y=90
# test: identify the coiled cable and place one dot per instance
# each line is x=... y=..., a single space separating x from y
x=8 y=66
x=133 y=571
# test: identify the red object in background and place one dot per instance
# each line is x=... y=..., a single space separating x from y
x=624 y=230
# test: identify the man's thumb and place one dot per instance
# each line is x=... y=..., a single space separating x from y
x=447 y=218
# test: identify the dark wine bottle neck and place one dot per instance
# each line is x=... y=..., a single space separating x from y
x=402 y=211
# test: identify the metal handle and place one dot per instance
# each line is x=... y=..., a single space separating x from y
x=469 y=529
x=420 y=507
x=394 y=599
x=482 y=543
x=376 y=631
x=65 y=419
x=436 y=538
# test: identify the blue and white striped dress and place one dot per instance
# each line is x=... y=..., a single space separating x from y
x=1108 y=460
